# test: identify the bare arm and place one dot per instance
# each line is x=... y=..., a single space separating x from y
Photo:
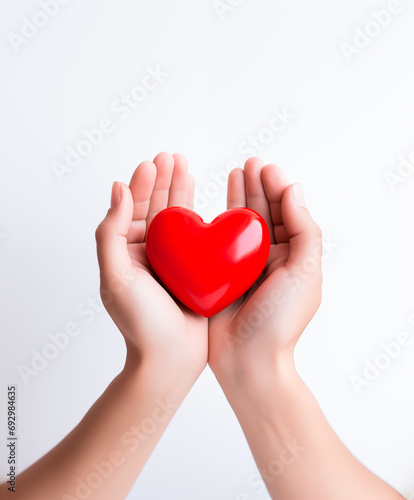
x=297 y=452
x=102 y=457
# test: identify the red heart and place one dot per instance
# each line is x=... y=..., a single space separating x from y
x=207 y=266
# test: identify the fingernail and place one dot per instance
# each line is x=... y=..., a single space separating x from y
x=298 y=195
x=116 y=194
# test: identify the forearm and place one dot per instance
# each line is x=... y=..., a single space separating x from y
x=296 y=450
x=107 y=450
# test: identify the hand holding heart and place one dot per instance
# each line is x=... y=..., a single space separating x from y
x=267 y=319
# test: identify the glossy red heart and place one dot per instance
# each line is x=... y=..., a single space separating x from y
x=207 y=266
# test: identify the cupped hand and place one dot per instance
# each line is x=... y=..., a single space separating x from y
x=156 y=327
x=262 y=327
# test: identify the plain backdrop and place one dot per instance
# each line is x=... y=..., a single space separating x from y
x=227 y=68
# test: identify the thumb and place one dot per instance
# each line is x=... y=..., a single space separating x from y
x=111 y=236
x=305 y=236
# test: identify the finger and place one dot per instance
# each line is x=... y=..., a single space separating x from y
x=159 y=198
x=190 y=191
x=111 y=235
x=236 y=194
x=141 y=186
x=178 y=189
x=305 y=236
x=274 y=184
x=255 y=195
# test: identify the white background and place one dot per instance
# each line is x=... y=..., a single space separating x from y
x=353 y=119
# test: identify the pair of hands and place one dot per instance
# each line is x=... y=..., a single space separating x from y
x=262 y=327
x=249 y=347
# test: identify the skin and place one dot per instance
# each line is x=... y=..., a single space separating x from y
x=249 y=347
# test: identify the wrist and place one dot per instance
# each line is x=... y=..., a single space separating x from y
x=155 y=376
x=255 y=381
x=249 y=370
